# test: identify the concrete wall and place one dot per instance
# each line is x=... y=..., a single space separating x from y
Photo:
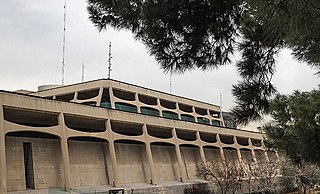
x=246 y=156
x=132 y=163
x=165 y=163
x=212 y=153
x=260 y=155
x=47 y=163
x=231 y=155
x=88 y=165
x=15 y=165
x=190 y=157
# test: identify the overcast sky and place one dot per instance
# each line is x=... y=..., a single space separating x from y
x=31 y=35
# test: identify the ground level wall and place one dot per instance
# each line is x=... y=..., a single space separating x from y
x=47 y=165
x=165 y=162
x=132 y=163
x=90 y=164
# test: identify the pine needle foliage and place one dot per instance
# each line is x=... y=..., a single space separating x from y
x=296 y=127
x=204 y=34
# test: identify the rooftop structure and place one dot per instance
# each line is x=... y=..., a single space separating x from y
x=106 y=132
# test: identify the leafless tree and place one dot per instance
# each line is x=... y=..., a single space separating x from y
x=264 y=175
x=306 y=176
x=228 y=176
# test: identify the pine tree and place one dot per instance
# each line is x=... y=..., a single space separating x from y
x=187 y=34
x=296 y=127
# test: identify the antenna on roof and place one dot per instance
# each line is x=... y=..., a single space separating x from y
x=64 y=41
x=82 y=77
x=109 y=61
x=220 y=101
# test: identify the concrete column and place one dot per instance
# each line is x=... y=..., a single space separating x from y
x=178 y=110
x=222 y=154
x=136 y=97
x=65 y=154
x=3 y=165
x=137 y=102
x=66 y=163
x=113 y=156
x=194 y=114
x=202 y=155
x=266 y=155
x=99 y=98
x=183 y=176
x=253 y=155
x=75 y=97
x=149 y=155
x=209 y=116
x=265 y=151
x=252 y=150
x=221 y=148
x=151 y=164
x=221 y=119
x=159 y=107
x=208 y=112
x=239 y=155
x=113 y=106
x=235 y=141
x=250 y=143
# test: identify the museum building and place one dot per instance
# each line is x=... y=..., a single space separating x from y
x=107 y=132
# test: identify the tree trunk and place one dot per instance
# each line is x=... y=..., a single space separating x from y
x=300 y=189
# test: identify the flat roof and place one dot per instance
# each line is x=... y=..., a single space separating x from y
x=142 y=87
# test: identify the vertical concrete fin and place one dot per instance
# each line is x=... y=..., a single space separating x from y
x=221 y=148
x=65 y=153
x=149 y=155
x=202 y=155
x=235 y=141
x=113 y=156
x=113 y=106
x=159 y=107
x=252 y=150
x=265 y=151
x=3 y=166
x=183 y=176
x=99 y=97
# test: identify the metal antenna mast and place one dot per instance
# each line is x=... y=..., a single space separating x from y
x=82 y=77
x=64 y=41
x=220 y=100
x=109 y=61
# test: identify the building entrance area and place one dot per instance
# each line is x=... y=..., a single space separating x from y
x=28 y=165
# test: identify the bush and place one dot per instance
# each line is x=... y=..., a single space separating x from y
x=198 y=189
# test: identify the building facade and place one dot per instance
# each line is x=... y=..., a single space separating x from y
x=106 y=132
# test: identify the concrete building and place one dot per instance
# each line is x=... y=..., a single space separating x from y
x=106 y=132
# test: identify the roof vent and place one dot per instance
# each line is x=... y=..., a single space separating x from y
x=47 y=87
